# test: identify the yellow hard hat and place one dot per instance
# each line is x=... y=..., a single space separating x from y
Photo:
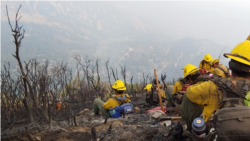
x=119 y=85
x=208 y=57
x=189 y=70
x=241 y=52
x=214 y=61
x=149 y=86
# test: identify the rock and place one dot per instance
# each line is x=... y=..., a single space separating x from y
x=155 y=114
x=139 y=126
x=166 y=123
x=38 y=138
x=137 y=110
x=97 y=121
x=165 y=103
x=84 y=112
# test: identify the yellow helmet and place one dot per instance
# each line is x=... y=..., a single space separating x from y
x=208 y=57
x=119 y=85
x=149 y=86
x=241 y=52
x=214 y=61
x=189 y=70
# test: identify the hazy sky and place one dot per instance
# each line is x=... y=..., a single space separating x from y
x=225 y=22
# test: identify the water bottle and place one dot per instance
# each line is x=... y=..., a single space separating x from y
x=111 y=111
x=199 y=126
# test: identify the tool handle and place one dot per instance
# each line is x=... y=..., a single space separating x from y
x=175 y=118
x=170 y=118
x=156 y=78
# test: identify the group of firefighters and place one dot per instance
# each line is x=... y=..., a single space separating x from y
x=203 y=92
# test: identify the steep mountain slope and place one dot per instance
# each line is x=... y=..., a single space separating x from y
x=60 y=30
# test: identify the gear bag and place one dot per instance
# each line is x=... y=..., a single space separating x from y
x=125 y=107
x=225 y=72
x=232 y=124
x=232 y=121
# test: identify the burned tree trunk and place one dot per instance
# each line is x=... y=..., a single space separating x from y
x=18 y=37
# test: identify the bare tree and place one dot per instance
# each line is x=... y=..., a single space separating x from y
x=113 y=74
x=163 y=77
x=18 y=37
x=107 y=67
x=123 y=73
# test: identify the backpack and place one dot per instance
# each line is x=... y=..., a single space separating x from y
x=225 y=72
x=232 y=121
x=124 y=108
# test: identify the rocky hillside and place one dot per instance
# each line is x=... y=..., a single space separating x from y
x=58 y=31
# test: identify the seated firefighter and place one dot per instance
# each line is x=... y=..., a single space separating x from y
x=194 y=72
x=119 y=99
x=188 y=110
x=230 y=98
x=205 y=63
x=152 y=98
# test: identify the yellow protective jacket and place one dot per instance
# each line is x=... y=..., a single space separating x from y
x=112 y=102
x=205 y=94
x=205 y=66
x=211 y=69
x=162 y=93
x=177 y=86
x=219 y=72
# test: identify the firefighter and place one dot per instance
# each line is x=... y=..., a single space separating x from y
x=214 y=64
x=205 y=63
x=221 y=70
x=104 y=107
x=152 y=97
x=178 y=85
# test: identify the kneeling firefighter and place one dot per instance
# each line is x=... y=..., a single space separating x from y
x=119 y=103
x=205 y=64
x=152 y=97
x=188 y=110
x=148 y=88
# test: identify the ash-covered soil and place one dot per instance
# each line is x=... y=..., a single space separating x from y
x=139 y=126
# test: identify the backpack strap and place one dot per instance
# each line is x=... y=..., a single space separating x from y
x=233 y=91
x=202 y=78
x=121 y=99
x=203 y=61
